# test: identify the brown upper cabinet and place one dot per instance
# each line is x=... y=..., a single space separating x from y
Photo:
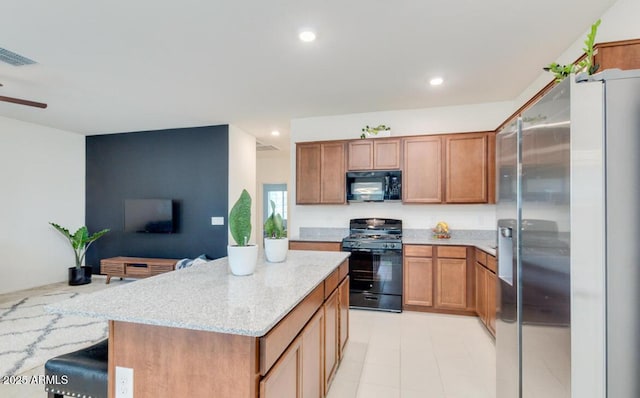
x=467 y=168
x=374 y=154
x=320 y=173
x=422 y=170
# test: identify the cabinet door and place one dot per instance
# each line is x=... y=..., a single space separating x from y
x=466 y=171
x=361 y=155
x=343 y=298
x=284 y=379
x=386 y=154
x=492 y=284
x=422 y=170
x=331 y=337
x=418 y=281
x=308 y=173
x=481 y=292
x=312 y=356
x=451 y=283
x=332 y=175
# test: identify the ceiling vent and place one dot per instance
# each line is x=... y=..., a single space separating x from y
x=14 y=59
x=264 y=147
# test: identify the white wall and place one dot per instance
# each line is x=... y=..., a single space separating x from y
x=453 y=119
x=272 y=167
x=42 y=171
x=242 y=172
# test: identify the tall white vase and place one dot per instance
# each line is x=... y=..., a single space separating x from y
x=242 y=259
x=275 y=250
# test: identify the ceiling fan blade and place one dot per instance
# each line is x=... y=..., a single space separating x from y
x=23 y=102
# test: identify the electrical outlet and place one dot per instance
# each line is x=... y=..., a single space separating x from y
x=124 y=382
x=217 y=220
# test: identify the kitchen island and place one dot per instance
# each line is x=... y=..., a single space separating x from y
x=202 y=332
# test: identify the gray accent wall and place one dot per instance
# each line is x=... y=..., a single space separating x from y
x=187 y=165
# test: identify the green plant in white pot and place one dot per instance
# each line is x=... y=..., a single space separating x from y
x=80 y=242
x=243 y=257
x=276 y=244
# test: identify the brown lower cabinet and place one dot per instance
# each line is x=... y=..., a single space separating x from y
x=486 y=285
x=438 y=278
x=418 y=277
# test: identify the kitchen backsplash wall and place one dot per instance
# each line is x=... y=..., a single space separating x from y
x=482 y=217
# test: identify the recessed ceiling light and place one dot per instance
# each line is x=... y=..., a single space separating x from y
x=275 y=133
x=307 y=36
x=436 y=81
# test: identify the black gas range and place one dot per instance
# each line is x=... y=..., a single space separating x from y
x=375 y=265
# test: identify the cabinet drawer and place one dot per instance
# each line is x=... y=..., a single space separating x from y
x=418 y=250
x=111 y=268
x=481 y=257
x=320 y=246
x=491 y=263
x=452 y=251
x=160 y=269
x=331 y=282
x=137 y=270
x=344 y=270
x=274 y=343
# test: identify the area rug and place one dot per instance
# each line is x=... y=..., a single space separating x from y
x=29 y=336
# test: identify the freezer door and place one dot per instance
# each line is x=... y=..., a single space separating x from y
x=622 y=168
x=545 y=247
x=507 y=327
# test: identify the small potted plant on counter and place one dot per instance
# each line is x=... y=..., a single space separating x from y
x=243 y=257
x=80 y=242
x=276 y=244
x=378 y=131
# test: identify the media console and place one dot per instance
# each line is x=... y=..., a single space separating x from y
x=135 y=267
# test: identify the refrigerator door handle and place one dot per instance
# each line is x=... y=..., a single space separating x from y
x=505 y=255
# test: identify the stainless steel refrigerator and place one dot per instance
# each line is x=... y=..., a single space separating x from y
x=533 y=335
x=568 y=189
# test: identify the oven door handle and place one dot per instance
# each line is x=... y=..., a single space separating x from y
x=376 y=251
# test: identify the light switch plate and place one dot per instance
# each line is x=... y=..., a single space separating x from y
x=217 y=220
x=124 y=382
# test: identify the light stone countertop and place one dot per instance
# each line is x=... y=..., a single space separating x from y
x=482 y=239
x=208 y=297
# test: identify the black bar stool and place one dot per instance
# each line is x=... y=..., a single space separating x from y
x=80 y=374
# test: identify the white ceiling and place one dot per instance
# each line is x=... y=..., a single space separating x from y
x=117 y=66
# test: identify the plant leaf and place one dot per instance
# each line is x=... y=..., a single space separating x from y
x=240 y=219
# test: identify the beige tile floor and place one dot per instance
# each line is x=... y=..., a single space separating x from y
x=389 y=355
x=415 y=355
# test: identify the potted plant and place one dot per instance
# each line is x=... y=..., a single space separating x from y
x=276 y=243
x=243 y=257
x=587 y=64
x=378 y=131
x=80 y=242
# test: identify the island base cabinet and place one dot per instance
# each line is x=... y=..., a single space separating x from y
x=175 y=362
x=331 y=338
x=343 y=291
x=284 y=380
x=312 y=357
x=299 y=372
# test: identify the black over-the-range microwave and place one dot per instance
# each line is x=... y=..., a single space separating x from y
x=374 y=186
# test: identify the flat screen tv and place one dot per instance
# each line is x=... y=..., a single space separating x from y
x=148 y=216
